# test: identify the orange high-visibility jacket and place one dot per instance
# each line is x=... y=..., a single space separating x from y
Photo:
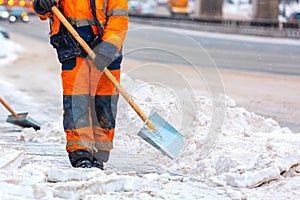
x=112 y=15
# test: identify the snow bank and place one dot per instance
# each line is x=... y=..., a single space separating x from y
x=251 y=150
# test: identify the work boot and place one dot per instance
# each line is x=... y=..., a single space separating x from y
x=99 y=158
x=81 y=158
x=98 y=164
x=83 y=164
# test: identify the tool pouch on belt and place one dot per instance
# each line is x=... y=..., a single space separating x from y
x=66 y=46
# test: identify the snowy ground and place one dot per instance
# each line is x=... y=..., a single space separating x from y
x=246 y=157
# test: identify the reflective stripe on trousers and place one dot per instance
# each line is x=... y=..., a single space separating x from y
x=90 y=105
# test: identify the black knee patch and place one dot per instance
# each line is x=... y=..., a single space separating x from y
x=105 y=110
x=76 y=113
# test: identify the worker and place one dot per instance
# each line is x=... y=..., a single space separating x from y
x=89 y=98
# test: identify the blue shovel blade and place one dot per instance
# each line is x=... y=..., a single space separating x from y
x=24 y=121
x=165 y=138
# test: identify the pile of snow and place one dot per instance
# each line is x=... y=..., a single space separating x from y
x=251 y=150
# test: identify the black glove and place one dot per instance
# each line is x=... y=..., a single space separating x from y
x=105 y=55
x=46 y=4
x=101 y=61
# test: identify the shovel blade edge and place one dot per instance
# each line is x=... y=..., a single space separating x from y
x=165 y=138
x=24 y=121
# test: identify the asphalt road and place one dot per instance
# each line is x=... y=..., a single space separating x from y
x=278 y=56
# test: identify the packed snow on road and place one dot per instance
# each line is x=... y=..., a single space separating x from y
x=251 y=157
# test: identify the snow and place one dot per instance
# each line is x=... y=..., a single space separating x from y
x=252 y=157
x=9 y=50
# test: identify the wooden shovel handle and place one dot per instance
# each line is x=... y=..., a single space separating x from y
x=9 y=108
x=90 y=52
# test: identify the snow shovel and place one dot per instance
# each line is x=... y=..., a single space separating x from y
x=156 y=130
x=21 y=119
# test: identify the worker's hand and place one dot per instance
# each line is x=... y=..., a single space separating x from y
x=101 y=61
x=105 y=55
x=46 y=4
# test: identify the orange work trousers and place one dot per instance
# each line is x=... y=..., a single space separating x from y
x=90 y=105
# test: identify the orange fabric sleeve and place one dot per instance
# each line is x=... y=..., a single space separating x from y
x=117 y=26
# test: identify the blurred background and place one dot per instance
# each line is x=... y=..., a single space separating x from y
x=272 y=18
x=281 y=10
